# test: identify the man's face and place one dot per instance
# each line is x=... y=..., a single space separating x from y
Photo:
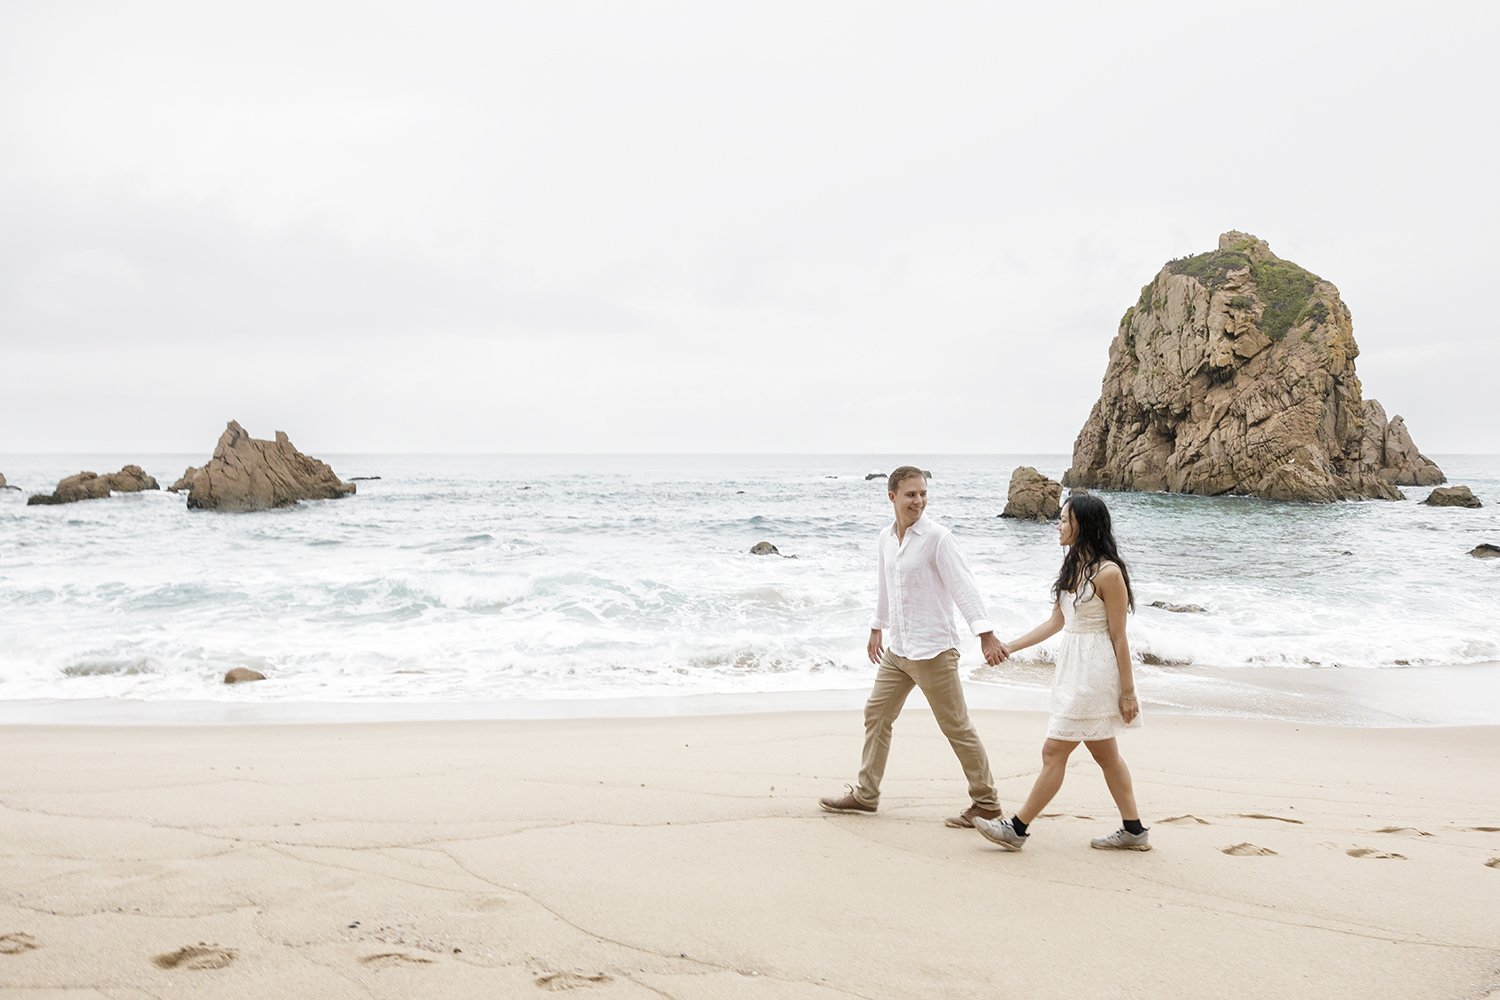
x=910 y=498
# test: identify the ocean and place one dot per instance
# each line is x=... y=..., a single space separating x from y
x=578 y=581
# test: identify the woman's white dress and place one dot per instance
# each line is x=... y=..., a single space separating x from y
x=1086 y=685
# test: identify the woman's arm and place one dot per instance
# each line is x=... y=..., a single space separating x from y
x=1041 y=633
x=1109 y=583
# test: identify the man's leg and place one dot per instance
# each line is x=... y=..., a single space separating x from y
x=940 y=682
x=892 y=685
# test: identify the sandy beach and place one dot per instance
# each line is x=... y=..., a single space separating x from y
x=686 y=858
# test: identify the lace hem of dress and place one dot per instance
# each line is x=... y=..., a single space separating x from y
x=1086 y=729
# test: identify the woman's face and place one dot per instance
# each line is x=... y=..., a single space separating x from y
x=1067 y=528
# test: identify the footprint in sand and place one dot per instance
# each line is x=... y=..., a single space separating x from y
x=1189 y=818
x=1248 y=851
x=1485 y=829
x=1370 y=852
x=1409 y=831
x=1279 y=819
x=198 y=957
x=14 y=944
x=556 y=981
x=1492 y=863
x=389 y=958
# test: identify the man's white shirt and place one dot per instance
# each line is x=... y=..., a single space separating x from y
x=922 y=577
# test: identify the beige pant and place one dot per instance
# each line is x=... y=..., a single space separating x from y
x=938 y=678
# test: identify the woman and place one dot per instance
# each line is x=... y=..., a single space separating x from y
x=1093 y=688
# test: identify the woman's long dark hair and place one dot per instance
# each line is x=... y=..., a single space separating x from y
x=1093 y=545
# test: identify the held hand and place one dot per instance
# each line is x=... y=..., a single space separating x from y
x=872 y=649
x=1129 y=706
x=993 y=649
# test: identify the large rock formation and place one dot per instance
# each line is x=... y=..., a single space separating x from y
x=1234 y=373
x=250 y=474
x=92 y=486
x=1032 y=496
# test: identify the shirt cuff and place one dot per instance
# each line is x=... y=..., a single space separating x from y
x=981 y=626
x=877 y=623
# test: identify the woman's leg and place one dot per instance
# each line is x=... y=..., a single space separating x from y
x=1054 y=766
x=1116 y=776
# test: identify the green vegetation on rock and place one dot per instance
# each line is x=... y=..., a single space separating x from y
x=1210 y=269
x=1284 y=288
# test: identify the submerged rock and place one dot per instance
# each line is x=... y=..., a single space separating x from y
x=764 y=549
x=243 y=675
x=1181 y=609
x=1032 y=496
x=1485 y=550
x=248 y=474
x=92 y=486
x=1234 y=373
x=1452 y=496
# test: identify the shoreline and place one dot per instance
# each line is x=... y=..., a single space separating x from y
x=686 y=857
x=1408 y=697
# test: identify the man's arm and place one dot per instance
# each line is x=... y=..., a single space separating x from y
x=959 y=581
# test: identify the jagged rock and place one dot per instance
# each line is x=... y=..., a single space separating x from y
x=184 y=481
x=1389 y=453
x=764 y=549
x=242 y=675
x=1032 y=496
x=1485 y=551
x=1181 y=609
x=6 y=486
x=1234 y=373
x=1452 y=496
x=249 y=474
x=92 y=486
x=874 y=475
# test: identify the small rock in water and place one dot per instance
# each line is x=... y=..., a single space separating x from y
x=1182 y=609
x=361 y=479
x=1452 y=496
x=764 y=549
x=92 y=486
x=874 y=475
x=1485 y=551
x=241 y=675
x=1032 y=496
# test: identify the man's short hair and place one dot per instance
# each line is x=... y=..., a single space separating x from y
x=901 y=475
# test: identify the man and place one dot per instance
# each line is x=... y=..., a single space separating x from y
x=922 y=576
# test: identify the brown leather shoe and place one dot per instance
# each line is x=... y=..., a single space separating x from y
x=965 y=819
x=844 y=803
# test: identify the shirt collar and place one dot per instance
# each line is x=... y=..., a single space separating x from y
x=920 y=525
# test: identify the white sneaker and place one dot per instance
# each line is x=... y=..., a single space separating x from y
x=1000 y=833
x=1123 y=840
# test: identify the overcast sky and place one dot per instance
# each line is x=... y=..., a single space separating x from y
x=717 y=227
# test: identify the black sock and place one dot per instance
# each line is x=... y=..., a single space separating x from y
x=1134 y=826
x=1017 y=825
